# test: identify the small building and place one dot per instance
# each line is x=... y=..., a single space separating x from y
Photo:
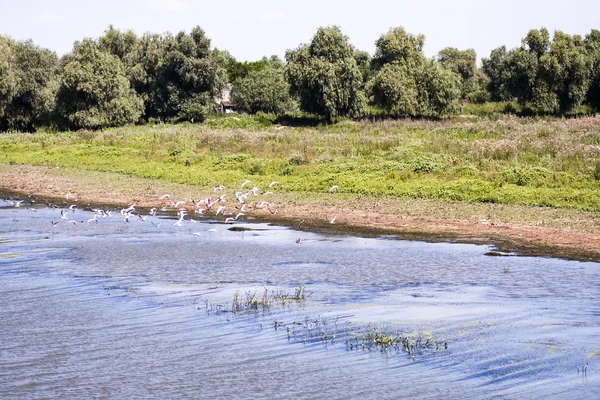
x=224 y=101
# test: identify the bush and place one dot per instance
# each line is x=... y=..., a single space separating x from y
x=479 y=97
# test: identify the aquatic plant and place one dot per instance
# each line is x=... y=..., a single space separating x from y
x=250 y=301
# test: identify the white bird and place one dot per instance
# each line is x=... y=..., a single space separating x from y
x=333 y=220
x=220 y=187
x=331 y=189
x=246 y=182
x=228 y=220
x=72 y=207
x=273 y=184
x=93 y=219
x=73 y=222
x=239 y=215
x=196 y=233
x=63 y=214
x=152 y=212
x=128 y=210
x=68 y=195
x=156 y=225
x=165 y=196
x=18 y=203
x=219 y=210
x=212 y=230
x=263 y=204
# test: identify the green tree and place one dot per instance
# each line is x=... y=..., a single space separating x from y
x=364 y=62
x=117 y=43
x=566 y=68
x=94 y=91
x=544 y=76
x=265 y=90
x=324 y=75
x=397 y=45
x=464 y=64
x=188 y=74
x=406 y=82
x=492 y=67
x=592 y=43
x=28 y=82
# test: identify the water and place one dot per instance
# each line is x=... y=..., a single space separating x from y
x=119 y=309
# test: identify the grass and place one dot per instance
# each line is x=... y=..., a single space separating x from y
x=503 y=160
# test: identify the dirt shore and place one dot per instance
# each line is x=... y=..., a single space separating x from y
x=526 y=230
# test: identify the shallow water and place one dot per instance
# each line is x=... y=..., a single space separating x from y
x=120 y=309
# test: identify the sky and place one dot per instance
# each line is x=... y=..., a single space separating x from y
x=251 y=29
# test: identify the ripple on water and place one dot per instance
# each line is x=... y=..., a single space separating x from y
x=119 y=309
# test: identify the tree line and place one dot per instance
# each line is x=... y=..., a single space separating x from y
x=122 y=78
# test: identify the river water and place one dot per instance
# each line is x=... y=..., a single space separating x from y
x=144 y=309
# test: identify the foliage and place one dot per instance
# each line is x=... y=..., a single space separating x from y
x=364 y=61
x=463 y=63
x=324 y=75
x=170 y=73
x=265 y=90
x=592 y=43
x=28 y=82
x=397 y=45
x=94 y=91
x=239 y=70
x=546 y=77
x=406 y=83
x=189 y=71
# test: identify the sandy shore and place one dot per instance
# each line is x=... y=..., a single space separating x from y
x=527 y=230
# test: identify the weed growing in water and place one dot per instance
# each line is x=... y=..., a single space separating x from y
x=252 y=302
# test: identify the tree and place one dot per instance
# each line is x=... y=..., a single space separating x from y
x=28 y=77
x=406 y=82
x=117 y=43
x=592 y=43
x=94 y=91
x=464 y=64
x=397 y=45
x=364 y=61
x=265 y=90
x=492 y=67
x=544 y=76
x=189 y=73
x=324 y=75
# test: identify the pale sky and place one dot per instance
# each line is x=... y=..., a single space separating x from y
x=254 y=28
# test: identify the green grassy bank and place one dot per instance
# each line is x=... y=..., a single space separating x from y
x=510 y=160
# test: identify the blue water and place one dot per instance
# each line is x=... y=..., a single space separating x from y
x=120 y=309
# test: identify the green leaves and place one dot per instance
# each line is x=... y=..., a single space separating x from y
x=28 y=76
x=324 y=75
x=94 y=91
x=407 y=84
x=546 y=77
x=265 y=90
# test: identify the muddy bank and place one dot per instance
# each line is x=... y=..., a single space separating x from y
x=527 y=230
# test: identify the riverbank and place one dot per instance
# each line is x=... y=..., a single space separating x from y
x=565 y=233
